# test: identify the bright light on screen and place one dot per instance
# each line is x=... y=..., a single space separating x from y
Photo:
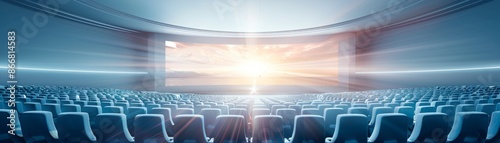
x=314 y=64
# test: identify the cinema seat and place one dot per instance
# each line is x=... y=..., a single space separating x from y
x=93 y=111
x=132 y=113
x=198 y=108
x=112 y=127
x=389 y=127
x=469 y=127
x=70 y=108
x=32 y=106
x=350 y=128
x=308 y=128
x=486 y=108
x=268 y=128
x=55 y=109
x=74 y=126
x=112 y=109
x=38 y=126
x=288 y=115
x=448 y=110
x=312 y=111
x=210 y=116
x=189 y=128
x=5 y=137
x=330 y=116
x=274 y=108
x=224 y=109
x=494 y=128
x=409 y=112
x=358 y=110
x=167 y=116
x=230 y=128
x=150 y=128
x=465 y=108
x=375 y=112
x=430 y=127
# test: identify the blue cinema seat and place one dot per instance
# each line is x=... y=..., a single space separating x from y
x=330 y=115
x=389 y=127
x=132 y=112
x=5 y=137
x=288 y=115
x=469 y=127
x=112 y=127
x=210 y=116
x=350 y=128
x=430 y=128
x=308 y=128
x=167 y=116
x=268 y=128
x=74 y=126
x=150 y=128
x=38 y=126
x=494 y=128
x=189 y=129
x=230 y=128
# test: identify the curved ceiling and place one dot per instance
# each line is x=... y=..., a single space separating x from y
x=252 y=18
x=248 y=15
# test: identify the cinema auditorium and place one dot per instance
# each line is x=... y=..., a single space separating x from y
x=250 y=71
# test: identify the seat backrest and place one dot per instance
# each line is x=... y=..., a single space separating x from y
x=230 y=128
x=298 y=109
x=5 y=130
x=427 y=126
x=376 y=111
x=268 y=128
x=260 y=111
x=124 y=106
x=150 y=107
x=93 y=111
x=371 y=107
x=465 y=108
x=115 y=129
x=469 y=127
x=311 y=111
x=494 y=128
x=104 y=104
x=38 y=126
x=322 y=108
x=169 y=122
x=239 y=111
x=189 y=128
x=351 y=127
x=330 y=116
x=224 y=109
x=132 y=113
x=487 y=108
x=184 y=111
x=358 y=110
x=425 y=109
x=343 y=106
x=276 y=107
x=112 y=109
x=308 y=128
x=390 y=127
x=73 y=126
x=150 y=128
x=288 y=115
x=32 y=106
x=71 y=108
x=453 y=102
x=198 y=108
x=437 y=103
x=55 y=109
x=209 y=116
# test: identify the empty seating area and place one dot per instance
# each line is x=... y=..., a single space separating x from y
x=65 y=114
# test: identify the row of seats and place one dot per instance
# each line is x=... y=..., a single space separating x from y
x=278 y=116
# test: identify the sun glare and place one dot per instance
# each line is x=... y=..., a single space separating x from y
x=255 y=68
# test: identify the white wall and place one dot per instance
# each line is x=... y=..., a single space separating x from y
x=57 y=43
x=466 y=39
